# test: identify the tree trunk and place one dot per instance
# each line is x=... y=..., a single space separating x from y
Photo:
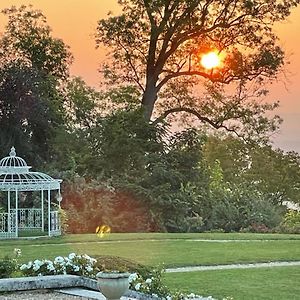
x=148 y=100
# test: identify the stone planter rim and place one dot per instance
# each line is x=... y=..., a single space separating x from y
x=112 y=275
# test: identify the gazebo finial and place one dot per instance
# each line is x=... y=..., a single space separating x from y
x=12 y=151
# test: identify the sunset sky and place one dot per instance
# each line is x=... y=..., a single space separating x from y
x=75 y=21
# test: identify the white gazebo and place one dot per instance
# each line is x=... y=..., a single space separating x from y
x=16 y=183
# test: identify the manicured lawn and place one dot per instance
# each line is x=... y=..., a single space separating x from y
x=253 y=284
x=70 y=238
x=170 y=249
x=187 y=250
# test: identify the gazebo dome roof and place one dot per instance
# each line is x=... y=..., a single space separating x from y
x=15 y=175
x=13 y=164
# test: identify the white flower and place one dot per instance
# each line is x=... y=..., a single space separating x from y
x=68 y=263
x=23 y=267
x=72 y=256
x=148 y=280
x=133 y=277
x=76 y=268
x=169 y=298
x=50 y=266
x=86 y=256
x=36 y=267
x=58 y=260
x=137 y=286
x=93 y=260
x=17 y=252
x=37 y=264
x=89 y=269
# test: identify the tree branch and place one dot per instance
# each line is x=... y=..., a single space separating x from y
x=183 y=73
x=214 y=124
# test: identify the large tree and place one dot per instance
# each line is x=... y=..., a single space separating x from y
x=158 y=45
x=33 y=64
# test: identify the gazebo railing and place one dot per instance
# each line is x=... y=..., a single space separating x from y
x=8 y=225
x=29 y=218
x=54 y=223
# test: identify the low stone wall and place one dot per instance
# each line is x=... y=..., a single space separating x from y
x=58 y=282
x=40 y=282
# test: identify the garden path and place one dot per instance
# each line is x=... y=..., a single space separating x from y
x=234 y=266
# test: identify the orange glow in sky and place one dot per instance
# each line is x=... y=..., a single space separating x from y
x=75 y=21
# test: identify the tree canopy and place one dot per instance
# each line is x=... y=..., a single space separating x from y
x=33 y=65
x=158 y=46
x=138 y=171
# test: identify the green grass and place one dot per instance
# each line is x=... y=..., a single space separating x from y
x=250 y=284
x=179 y=250
x=170 y=249
x=32 y=233
x=70 y=238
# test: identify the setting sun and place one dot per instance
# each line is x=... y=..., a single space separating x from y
x=210 y=60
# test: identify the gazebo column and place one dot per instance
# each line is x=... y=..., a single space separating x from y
x=42 y=209
x=59 y=198
x=17 y=223
x=49 y=215
x=8 y=210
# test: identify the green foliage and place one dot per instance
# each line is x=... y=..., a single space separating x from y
x=32 y=65
x=150 y=281
x=236 y=207
x=89 y=204
x=63 y=220
x=172 y=181
x=291 y=222
x=271 y=171
x=7 y=267
x=83 y=104
x=122 y=141
x=174 y=178
x=86 y=201
x=28 y=37
x=158 y=45
x=115 y=263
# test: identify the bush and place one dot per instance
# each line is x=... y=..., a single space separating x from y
x=115 y=263
x=242 y=208
x=291 y=222
x=7 y=267
x=89 y=204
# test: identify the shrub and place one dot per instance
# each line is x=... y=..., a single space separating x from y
x=242 y=208
x=291 y=222
x=90 y=204
x=150 y=282
x=113 y=263
x=7 y=267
